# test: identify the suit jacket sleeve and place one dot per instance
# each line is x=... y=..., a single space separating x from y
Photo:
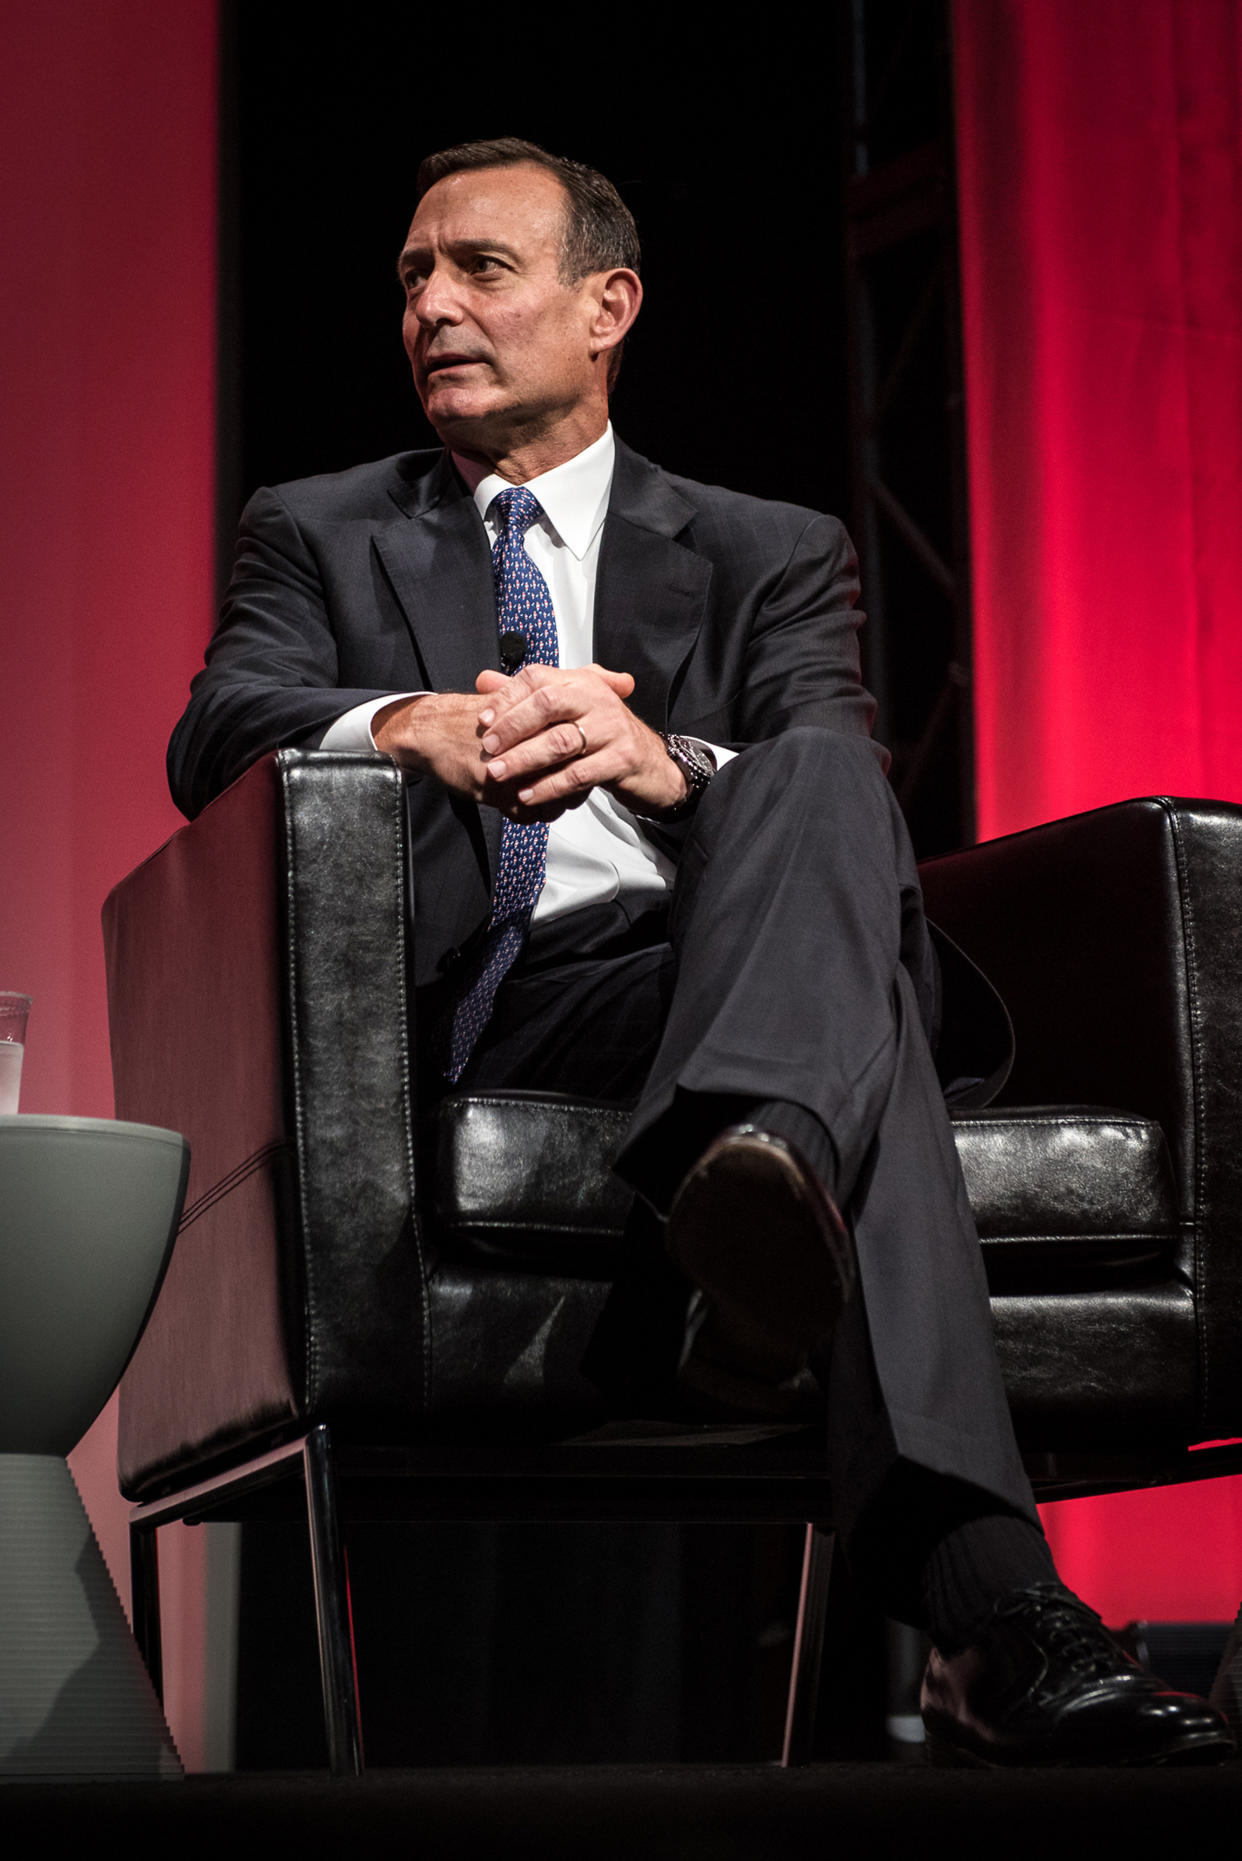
x=802 y=662
x=775 y=642
x=273 y=672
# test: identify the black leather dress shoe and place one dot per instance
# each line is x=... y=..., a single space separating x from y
x=753 y=1229
x=1045 y=1683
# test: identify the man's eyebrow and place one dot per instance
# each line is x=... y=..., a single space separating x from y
x=411 y=256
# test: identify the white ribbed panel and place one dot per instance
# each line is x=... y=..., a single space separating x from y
x=75 y=1698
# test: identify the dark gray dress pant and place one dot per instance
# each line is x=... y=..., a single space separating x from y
x=796 y=964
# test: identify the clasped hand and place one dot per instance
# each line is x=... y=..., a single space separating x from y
x=537 y=743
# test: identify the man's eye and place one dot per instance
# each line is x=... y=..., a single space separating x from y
x=484 y=262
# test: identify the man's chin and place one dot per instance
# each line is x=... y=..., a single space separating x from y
x=472 y=430
x=456 y=409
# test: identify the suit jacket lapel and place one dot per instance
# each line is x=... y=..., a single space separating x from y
x=651 y=590
x=650 y=593
x=440 y=570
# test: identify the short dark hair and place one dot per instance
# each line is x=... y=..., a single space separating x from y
x=599 y=232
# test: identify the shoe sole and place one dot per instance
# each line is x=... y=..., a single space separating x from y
x=752 y=1228
x=1196 y=1748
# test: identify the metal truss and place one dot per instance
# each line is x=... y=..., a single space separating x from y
x=907 y=431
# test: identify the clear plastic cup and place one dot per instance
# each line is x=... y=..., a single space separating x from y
x=13 y=1012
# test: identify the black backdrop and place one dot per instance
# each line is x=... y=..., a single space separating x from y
x=726 y=146
x=482 y=1644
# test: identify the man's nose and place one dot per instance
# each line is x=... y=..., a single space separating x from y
x=437 y=302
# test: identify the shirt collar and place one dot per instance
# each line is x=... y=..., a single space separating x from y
x=574 y=496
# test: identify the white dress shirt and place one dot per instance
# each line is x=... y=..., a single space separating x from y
x=596 y=851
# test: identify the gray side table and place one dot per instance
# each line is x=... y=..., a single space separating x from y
x=88 y=1214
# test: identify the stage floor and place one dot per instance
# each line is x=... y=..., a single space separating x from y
x=691 y=1812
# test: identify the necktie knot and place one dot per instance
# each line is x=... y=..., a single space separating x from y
x=516 y=510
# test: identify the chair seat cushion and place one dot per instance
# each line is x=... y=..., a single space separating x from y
x=1057 y=1191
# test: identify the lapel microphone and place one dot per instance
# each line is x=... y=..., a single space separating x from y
x=512 y=651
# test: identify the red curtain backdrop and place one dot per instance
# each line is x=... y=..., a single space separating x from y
x=107 y=361
x=1100 y=178
x=1100 y=155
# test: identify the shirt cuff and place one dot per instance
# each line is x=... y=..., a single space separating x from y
x=352 y=729
x=719 y=755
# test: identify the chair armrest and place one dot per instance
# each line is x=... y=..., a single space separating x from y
x=1114 y=938
x=257 y=999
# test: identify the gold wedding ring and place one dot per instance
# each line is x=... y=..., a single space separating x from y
x=582 y=733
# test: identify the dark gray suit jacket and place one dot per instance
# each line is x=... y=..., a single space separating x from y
x=736 y=617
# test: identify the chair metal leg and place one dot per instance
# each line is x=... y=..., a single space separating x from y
x=337 y=1666
x=808 y=1647
x=144 y=1589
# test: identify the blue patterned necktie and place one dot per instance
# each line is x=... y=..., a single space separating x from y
x=523 y=605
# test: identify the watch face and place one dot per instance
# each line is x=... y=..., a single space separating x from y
x=694 y=761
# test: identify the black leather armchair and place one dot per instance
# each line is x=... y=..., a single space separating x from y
x=410 y=1308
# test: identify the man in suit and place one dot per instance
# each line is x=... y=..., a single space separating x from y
x=655 y=857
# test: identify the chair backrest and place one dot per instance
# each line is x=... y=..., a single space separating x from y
x=1114 y=938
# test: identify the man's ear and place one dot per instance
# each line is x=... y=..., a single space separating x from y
x=617 y=297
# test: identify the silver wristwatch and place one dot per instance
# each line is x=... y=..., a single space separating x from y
x=696 y=764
